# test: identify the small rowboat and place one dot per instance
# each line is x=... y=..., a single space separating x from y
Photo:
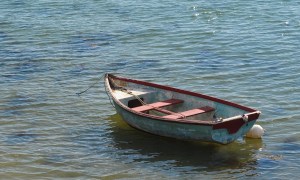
x=176 y=113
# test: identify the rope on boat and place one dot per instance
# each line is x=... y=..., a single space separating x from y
x=157 y=108
x=109 y=96
x=93 y=85
x=123 y=89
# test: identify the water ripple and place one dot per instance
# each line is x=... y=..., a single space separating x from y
x=243 y=51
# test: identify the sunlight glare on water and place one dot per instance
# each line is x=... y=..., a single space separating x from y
x=245 y=52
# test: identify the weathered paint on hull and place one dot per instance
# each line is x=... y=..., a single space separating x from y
x=165 y=128
x=181 y=131
x=236 y=119
x=222 y=135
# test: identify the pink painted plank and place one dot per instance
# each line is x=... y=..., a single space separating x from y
x=157 y=105
x=190 y=112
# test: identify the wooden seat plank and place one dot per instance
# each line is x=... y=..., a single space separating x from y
x=191 y=112
x=157 y=105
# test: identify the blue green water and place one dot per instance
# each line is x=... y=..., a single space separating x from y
x=242 y=51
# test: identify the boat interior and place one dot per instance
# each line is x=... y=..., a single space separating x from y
x=169 y=104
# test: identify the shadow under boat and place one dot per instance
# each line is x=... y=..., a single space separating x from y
x=203 y=155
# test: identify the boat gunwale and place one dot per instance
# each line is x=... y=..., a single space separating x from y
x=252 y=112
x=191 y=93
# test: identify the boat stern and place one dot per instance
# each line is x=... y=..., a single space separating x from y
x=231 y=129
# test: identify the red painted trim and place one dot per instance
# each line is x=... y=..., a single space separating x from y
x=168 y=88
x=233 y=126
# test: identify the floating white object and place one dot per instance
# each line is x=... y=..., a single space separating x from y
x=255 y=132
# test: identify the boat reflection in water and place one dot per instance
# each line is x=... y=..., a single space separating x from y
x=137 y=146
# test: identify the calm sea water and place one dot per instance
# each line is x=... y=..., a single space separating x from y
x=243 y=51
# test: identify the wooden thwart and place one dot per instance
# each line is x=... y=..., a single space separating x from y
x=172 y=115
x=157 y=105
x=191 y=112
